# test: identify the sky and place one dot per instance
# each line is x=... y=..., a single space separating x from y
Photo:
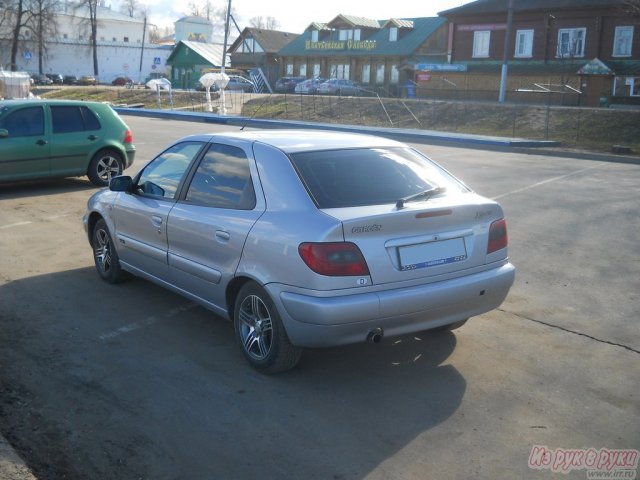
x=295 y=15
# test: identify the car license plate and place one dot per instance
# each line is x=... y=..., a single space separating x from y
x=432 y=254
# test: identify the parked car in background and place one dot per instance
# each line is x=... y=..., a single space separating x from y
x=87 y=80
x=238 y=82
x=336 y=86
x=58 y=138
x=305 y=238
x=41 y=79
x=121 y=81
x=56 y=78
x=308 y=86
x=70 y=80
x=287 y=84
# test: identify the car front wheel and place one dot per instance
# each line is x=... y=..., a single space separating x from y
x=260 y=333
x=105 y=165
x=105 y=255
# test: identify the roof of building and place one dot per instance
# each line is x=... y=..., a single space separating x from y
x=480 y=7
x=209 y=52
x=398 y=23
x=194 y=19
x=271 y=41
x=318 y=26
x=355 y=21
x=406 y=44
x=102 y=13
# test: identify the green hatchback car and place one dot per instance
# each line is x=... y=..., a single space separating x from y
x=58 y=138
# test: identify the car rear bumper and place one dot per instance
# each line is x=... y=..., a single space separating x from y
x=313 y=321
x=131 y=156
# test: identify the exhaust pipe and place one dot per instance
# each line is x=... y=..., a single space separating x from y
x=375 y=335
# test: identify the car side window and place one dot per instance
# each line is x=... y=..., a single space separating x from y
x=25 y=122
x=223 y=180
x=161 y=177
x=69 y=119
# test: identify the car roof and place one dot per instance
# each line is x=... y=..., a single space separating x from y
x=291 y=141
x=39 y=101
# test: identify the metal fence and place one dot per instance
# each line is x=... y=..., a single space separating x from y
x=573 y=126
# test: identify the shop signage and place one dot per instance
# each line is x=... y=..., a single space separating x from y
x=441 y=67
x=341 y=45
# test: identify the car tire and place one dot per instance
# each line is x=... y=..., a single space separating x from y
x=105 y=255
x=260 y=332
x=450 y=326
x=105 y=165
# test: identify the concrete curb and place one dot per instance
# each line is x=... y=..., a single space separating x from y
x=485 y=142
x=12 y=467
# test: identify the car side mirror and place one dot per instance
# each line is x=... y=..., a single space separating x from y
x=4 y=133
x=122 y=183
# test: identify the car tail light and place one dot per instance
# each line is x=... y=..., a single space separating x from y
x=497 y=236
x=334 y=259
x=128 y=136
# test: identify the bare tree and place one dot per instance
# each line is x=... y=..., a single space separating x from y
x=129 y=7
x=202 y=9
x=92 y=23
x=21 y=17
x=267 y=23
x=43 y=24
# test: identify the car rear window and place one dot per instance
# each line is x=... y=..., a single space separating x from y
x=375 y=176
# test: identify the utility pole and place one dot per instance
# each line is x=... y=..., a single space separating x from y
x=505 y=64
x=144 y=32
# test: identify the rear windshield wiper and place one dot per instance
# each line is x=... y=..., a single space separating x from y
x=423 y=195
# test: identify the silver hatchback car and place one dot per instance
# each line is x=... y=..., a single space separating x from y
x=305 y=238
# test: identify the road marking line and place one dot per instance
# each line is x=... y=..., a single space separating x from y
x=132 y=327
x=544 y=182
x=18 y=224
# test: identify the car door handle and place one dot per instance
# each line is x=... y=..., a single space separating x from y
x=41 y=142
x=222 y=235
x=156 y=220
x=92 y=137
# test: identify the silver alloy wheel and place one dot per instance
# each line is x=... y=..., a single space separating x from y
x=102 y=250
x=255 y=329
x=107 y=168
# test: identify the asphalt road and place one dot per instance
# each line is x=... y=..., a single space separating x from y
x=130 y=381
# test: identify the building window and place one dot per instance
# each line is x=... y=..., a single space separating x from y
x=481 y=43
x=395 y=74
x=349 y=34
x=393 y=34
x=622 y=42
x=380 y=73
x=126 y=39
x=524 y=43
x=289 y=70
x=571 y=42
x=340 y=71
x=316 y=70
x=345 y=34
x=314 y=35
x=303 y=70
x=366 y=73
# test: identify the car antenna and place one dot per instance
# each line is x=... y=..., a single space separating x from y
x=255 y=112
